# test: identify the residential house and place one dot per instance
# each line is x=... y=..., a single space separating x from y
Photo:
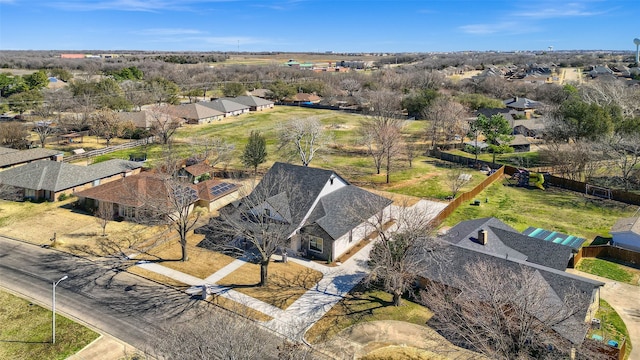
x=214 y=193
x=491 y=240
x=48 y=180
x=197 y=113
x=196 y=172
x=531 y=127
x=12 y=157
x=626 y=233
x=253 y=102
x=132 y=197
x=303 y=98
x=261 y=93
x=140 y=119
x=227 y=107
x=519 y=143
x=323 y=213
x=525 y=105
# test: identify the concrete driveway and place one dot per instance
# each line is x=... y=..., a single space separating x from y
x=625 y=299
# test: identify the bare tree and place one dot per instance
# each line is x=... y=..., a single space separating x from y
x=212 y=149
x=444 y=116
x=107 y=125
x=612 y=93
x=456 y=178
x=381 y=132
x=103 y=214
x=13 y=134
x=624 y=150
x=164 y=122
x=44 y=129
x=302 y=138
x=403 y=251
x=136 y=93
x=258 y=223
x=222 y=336
x=505 y=311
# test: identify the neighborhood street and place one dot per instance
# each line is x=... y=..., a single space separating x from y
x=116 y=303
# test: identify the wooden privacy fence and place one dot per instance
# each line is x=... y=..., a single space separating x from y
x=552 y=180
x=606 y=251
x=467 y=197
x=110 y=149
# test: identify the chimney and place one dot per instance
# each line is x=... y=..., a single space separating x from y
x=482 y=237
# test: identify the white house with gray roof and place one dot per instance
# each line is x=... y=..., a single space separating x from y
x=226 y=106
x=47 y=180
x=323 y=213
x=253 y=102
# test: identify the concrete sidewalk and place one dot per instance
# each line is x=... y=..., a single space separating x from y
x=312 y=305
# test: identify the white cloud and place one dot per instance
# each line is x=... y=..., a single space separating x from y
x=493 y=28
x=551 y=10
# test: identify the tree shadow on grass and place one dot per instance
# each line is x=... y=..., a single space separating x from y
x=24 y=341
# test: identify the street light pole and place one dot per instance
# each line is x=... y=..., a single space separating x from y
x=53 y=308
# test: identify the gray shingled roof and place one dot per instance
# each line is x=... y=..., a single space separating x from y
x=9 y=158
x=250 y=100
x=224 y=105
x=560 y=283
x=346 y=208
x=504 y=241
x=196 y=111
x=308 y=180
x=522 y=103
x=58 y=176
x=336 y=213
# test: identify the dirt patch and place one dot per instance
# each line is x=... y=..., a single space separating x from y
x=366 y=338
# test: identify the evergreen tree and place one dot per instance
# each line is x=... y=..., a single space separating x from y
x=255 y=152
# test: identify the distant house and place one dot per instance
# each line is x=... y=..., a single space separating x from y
x=528 y=106
x=491 y=240
x=196 y=172
x=227 y=107
x=532 y=127
x=626 y=233
x=253 y=102
x=12 y=157
x=325 y=215
x=140 y=119
x=47 y=180
x=262 y=93
x=304 y=98
x=519 y=143
x=197 y=113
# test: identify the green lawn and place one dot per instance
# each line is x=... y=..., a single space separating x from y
x=609 y=270
x=552 y=209
x=26 y=332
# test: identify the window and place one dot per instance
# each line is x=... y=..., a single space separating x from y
x=128 y=212
x=315 y=244
x=267 y=212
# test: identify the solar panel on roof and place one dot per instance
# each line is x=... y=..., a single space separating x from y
x=221 y=188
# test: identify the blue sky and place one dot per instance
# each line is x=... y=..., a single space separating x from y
x=305 y=25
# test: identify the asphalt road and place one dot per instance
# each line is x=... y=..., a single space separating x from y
x=122 y=305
